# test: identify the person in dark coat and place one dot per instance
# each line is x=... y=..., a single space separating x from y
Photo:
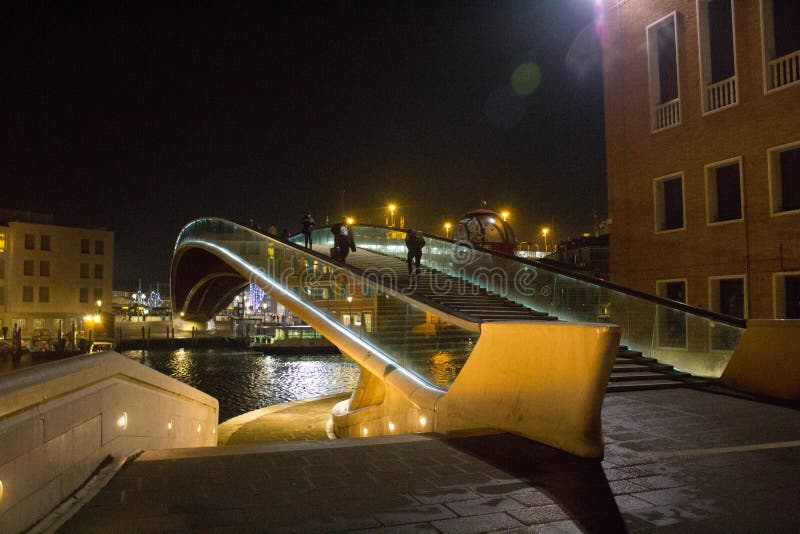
x=414 y=243
x=308 y=226
x=343 y=240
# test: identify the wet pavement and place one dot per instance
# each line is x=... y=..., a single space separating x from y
x=676 y=460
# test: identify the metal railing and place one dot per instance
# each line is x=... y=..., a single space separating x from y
x=391 y=325
x=691 y=339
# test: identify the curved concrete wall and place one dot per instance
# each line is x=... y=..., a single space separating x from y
x=59 y=421
x=545 y=381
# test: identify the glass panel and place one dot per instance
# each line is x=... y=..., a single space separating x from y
x=392 y=324
x=702 y=346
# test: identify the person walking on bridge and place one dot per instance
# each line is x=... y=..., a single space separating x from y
x=308 y=226
x=414 y=243
x=343 y=241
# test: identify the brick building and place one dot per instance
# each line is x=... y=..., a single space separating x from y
x=702 y=102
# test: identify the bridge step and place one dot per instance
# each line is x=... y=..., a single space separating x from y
x=616 y=387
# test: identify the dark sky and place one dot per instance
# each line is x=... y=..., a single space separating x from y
x=141 y=118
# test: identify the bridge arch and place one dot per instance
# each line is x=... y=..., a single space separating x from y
x=518 y=376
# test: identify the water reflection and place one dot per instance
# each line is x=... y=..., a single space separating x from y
x=245 y=380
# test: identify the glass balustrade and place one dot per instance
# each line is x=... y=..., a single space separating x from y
x=699 y=343
x=413 y=338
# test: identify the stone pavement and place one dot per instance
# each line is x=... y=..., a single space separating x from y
x=676 y=460
x=290 y=421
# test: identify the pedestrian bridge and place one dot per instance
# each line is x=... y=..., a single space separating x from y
x=470 y=342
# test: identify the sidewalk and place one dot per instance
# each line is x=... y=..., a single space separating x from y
x=678 y=460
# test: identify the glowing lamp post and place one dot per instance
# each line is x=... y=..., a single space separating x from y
x=349 y=221
x=505 y=215
x=545 y=231
x=447 y=227
x=392 y=209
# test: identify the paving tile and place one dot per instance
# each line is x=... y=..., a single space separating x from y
x=475 y=524
x=532 y=498
x=539 y=514
x=417 y=514
x=446 y=494
x=484 y=506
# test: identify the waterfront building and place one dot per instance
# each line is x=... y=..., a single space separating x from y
x=52 y=276
x=702 y=106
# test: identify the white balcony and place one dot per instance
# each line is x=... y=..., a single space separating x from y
x=721 y=94
x=784 y=70
x=667 y=114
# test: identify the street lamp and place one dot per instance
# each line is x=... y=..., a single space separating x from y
x=545 y=231
x=504 y=215
x=349 y=221
x=392 y=207
x=447 y=227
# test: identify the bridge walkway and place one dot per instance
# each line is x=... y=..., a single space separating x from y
x=632 y=371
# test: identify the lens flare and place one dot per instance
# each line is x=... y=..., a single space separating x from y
x=526 y=78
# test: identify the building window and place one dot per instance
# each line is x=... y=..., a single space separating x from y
x=671 y=325
x=98 y=270
x=724 y=191
x=786 y=288
x=44 y=268
x=84 y=294
x=39 y=324
x=668 y=197
x=30 y=241
x=44 y=242
x=20 y=323
x=662 y=58
x=727 y=295
x=44 y=294
x=27 y=293
x=27 y=268
x=98 y=294
x=84 y=246
x=780 y=21
x=84 y=270
x=784 y=178
x=2 y=242
x=98 y=246
x=717 y=54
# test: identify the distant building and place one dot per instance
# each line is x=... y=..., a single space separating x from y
x=52 y=276
x=702 y=107
x=586 y=255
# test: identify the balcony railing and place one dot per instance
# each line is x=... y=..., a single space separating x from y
x=785 y=70
x=721 y=94
x=667 y=114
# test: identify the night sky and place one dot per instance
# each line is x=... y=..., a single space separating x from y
x=140 y=119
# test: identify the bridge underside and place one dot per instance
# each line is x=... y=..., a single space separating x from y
x=203 y=284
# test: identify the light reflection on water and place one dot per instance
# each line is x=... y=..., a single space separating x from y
x=244 y=380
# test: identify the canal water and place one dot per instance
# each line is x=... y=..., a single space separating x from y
x=246 y=380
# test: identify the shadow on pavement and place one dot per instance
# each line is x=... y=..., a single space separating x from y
x=578 y=485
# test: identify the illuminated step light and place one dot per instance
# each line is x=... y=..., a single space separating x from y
x=365 y=431
x=199 y=428
x=391 y=426
x=169 y=424
x=422 y=421
x=214 y=430
x=122 y=422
